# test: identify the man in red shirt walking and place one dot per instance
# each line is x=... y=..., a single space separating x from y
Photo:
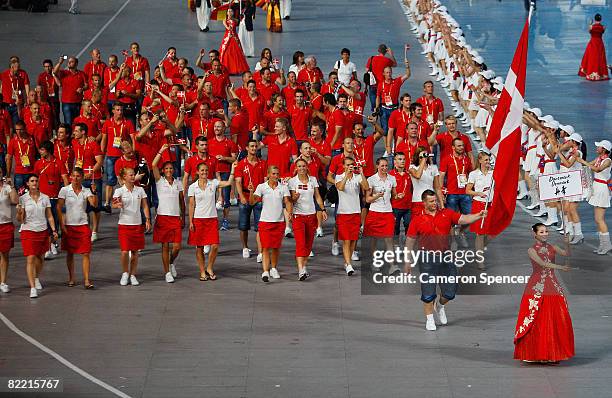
x=376 y=64
x=74 y=84
x=225 y=151
x=429 y=231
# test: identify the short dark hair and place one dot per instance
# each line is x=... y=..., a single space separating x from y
x=537 y=226
x=47 y=61
x=382 y=48
x=345 y=51
x=82 y=126
x=200 y=139
x=597 y=17
x=426 y=193
x=330 y=99
x=78 y=170
x=47 y=146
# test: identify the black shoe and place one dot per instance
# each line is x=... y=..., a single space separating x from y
x=287 y=17
x=206 y=29
x=107 y=209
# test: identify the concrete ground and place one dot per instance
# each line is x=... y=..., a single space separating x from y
x=331 y=336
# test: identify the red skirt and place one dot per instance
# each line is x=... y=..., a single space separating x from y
x=7 y=237
x=348 y=226
x=551 y=334
x=304 y=228
x=167 y=229
x=379 y=225
x=478 y=206
x=131 y=237
x=271 y=234
x=594 y=65
x=77 y=239
x=232 y=56
x=206 y=232
x=35 y=243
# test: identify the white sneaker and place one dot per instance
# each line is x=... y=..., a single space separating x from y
x=355 y=256
x=311 y=254
x=335 y=248
x=259 y=257
x=169 y=277
x=288 y=231
x=37 y=284
x=4 y=288
x=541 y=213
x=533 y=206
x=302 y=275
x=319 y=232
x=393 y=269
x=234 y=202
x=33 y=293
x=54 y=249
x=48 y=254
x=349 y=269
x=246 y=253
x=94 y=236
x=333 y=205
x=173 y=271
x=206 y=249
x=440 y=312
x=274 y=273
x=124 y=279
x=134 y=281
x=430 y=325
x=265 y=276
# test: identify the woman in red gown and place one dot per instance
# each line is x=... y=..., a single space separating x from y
x=594 y=66
x=231 y=54
x=544 y=331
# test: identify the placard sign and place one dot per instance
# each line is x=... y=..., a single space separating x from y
x=560 y=185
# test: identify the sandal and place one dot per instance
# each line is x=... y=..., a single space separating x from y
x=211 y=275
x=204 y=277
x=71 y=284
x=90 y=286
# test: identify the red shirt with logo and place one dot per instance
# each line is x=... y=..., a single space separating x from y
x=251 y=174
x=432 y=230
x=280 y=153
x=23 y=151
x=192 y=163
x=453 y=166
x=225 y=148
x=115 y=133
x=85 y=157
x=71 y=81
x=50 y=173
x=404 y=185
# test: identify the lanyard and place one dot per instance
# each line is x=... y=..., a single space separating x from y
x=120 y=130
x=15 y=88
x=462 y=165
x=428 y=111
x=19 y=145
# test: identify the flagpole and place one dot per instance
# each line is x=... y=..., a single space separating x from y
x=482 y=220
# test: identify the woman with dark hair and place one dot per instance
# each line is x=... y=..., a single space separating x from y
x=8 y=197
x=298 y=62
x=544 y=332
x=600 y=192
x=267 y=54
x=594 y=66
x=424 y=175
x=230 y=51
x=34 y=214
x=170 y=216
x=568 y=151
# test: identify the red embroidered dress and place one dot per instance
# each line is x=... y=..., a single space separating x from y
x=594 y=65
x=231 y=54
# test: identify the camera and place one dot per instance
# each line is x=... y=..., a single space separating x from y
x=425 y=155
x=65 y=57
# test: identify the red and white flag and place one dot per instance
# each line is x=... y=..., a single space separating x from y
x=504 y=139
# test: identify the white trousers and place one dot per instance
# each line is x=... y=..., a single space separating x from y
x=247 y=40
x=203 y=14
x=285 y=8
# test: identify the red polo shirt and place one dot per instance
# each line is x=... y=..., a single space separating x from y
x=138 y=67
x=71 y=81
x=267 y=91
x=398 y=121
x=94 y=126
x=192 y=163
x=50 y=176
x=251 y=173
x=453 y=166
x=92 y=68
x=432 y=231
x=85 y=157
x=389 y=92
x=115 y=133
x=239 y=127
x=225 y=148
x=404 y=185
x=365 y=152
x=377 y=64
x=300 y=121
x=219 y=84
x=432 y=107
x=19 y=148
x=310 y=76
x=269 y=119
x=334 y=119
x=445 y=140
x=12 y=83
x=279 y=154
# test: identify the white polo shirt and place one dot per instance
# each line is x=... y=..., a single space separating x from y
x=204 y=199
x=348 y=200
x=424 y=183
x=305 y=204
x=36 y=218
x=377 y=184
x=272 y=201
x=130 y=212
x=482 y=183
x=5 y=204
x=76 y=205
x=345 y=71
x=168 y=195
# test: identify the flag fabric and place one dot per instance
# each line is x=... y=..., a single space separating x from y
x=219 y=13
x=260 y=3
x=504 y=139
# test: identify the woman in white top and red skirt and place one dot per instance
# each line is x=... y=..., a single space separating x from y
x=34 y=212
x=131 y=199
x=8 y=197
x=424 y=175
x=479 y=187
x=348 y=217
x=203 y=222
x=304 y=190
x=170 y=216
x=76 y=234
x=272 y=194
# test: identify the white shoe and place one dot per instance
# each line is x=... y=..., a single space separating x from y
x=434 y=73
x=393 y=269
x=302 y=275
x=219 y=205
x=37 y=284
x=259 y=257
x=206 y=249
x=533 y=206
x=440 y=312
x=274 y=273
x=94 y=236
x=349 y=269
x=173 y=271
x=4 y=288
x=124 y=279
x=288 y=231
x=33 y=293
x=430 y=325
x=319 y=232
x=265 y=276
x=541 y=213
x=335 y=248
x=169 y=277
x=311 y=254
x=134 y=281
x=246 y=253
x=54 y=249
x=48 y=254
x=577 y=239
x=355 y=256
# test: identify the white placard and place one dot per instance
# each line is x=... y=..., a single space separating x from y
x=560 y=185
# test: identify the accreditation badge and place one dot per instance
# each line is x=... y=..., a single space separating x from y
x=25 y=160
x=461 y=180
x=79 y=164
x=430 y=119
x=138 y=75
x=117 y=142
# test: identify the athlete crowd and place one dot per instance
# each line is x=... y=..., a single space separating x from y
x=171 y=145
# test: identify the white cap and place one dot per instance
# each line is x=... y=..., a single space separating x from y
x=442 y=9
x=525 y=103
x=553 y=124
x=498 y=86
x=605 y=144
x=457 y=31
x=487 y=74
x=575 y=137
x=479 y=60
x=568 y=129
x=547 y=118
x=499 y=80
x=468 y=47
x=536 y=111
